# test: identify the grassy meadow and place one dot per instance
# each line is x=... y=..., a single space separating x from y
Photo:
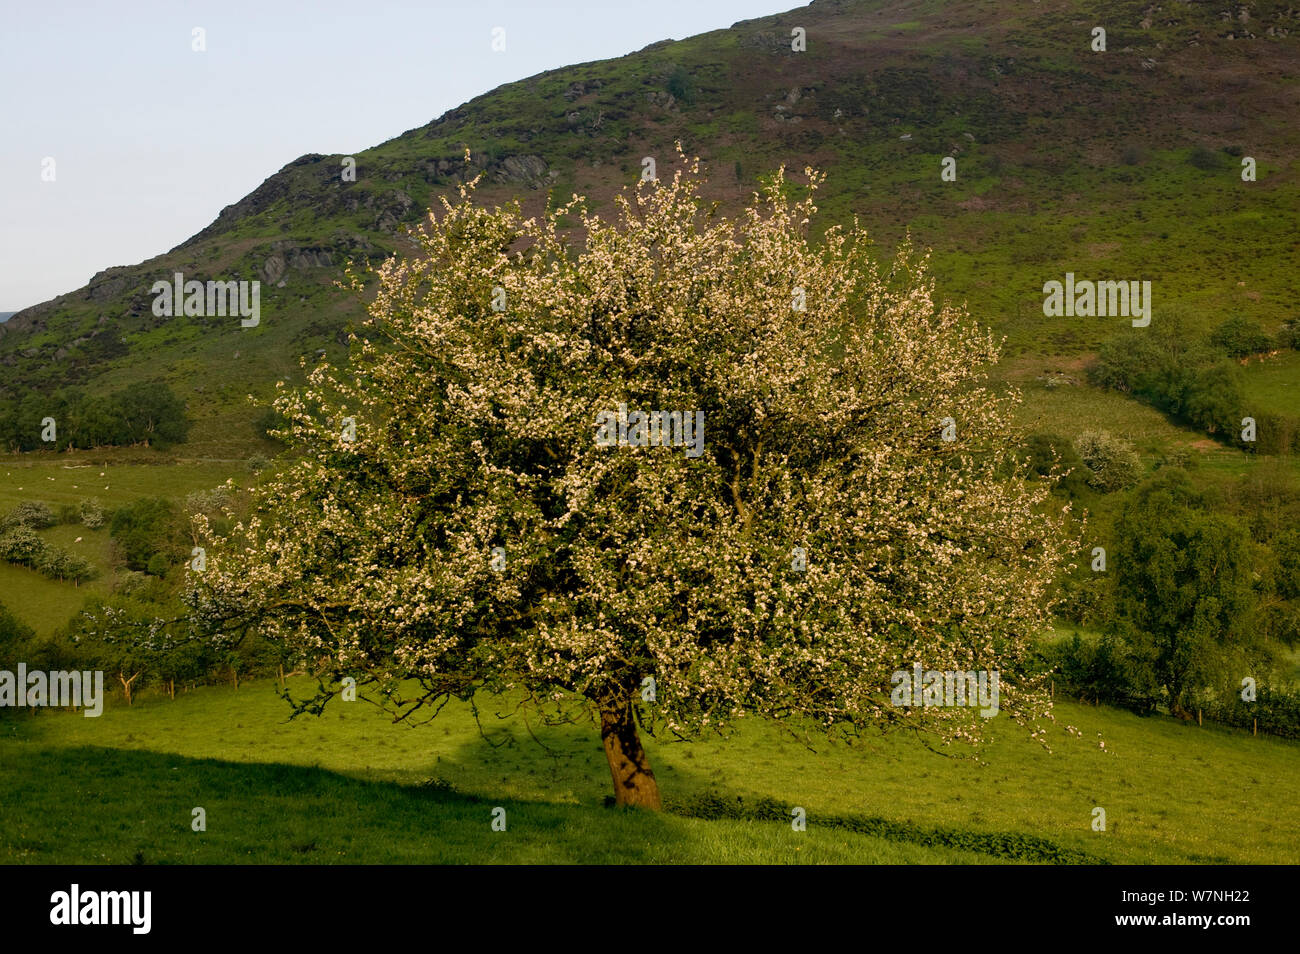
x=350 y=786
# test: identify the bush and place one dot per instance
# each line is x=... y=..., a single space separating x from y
x=91 y=513
x=1204 y=159
x=1212 y=399
x=1275 y=434
x=15 y=636
x=21 y=545
x=682 y=85
x=1289 y=336
x=1113 y=463
x=146 y=528
x=1240 y=338
x=1051 y=454
x=1132 y=156
x=270 y=420
x=1276 y=709
x=132 y=583
x=29 y=513
x=1095 y=671
x=208 y=501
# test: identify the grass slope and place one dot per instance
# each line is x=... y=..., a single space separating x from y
x=352 y=787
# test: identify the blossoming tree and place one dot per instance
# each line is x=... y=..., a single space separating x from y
x=450 y=520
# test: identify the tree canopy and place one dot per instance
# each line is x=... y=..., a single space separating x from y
x=448 y=516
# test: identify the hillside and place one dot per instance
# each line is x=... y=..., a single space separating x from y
x=1120 y=164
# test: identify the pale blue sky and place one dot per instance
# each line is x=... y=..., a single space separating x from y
x=151 y=139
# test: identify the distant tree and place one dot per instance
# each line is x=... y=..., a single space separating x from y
x=29 y=513
x=473 y=534
x=148 y=528
x=1182 y=591
x=1166 y=366
x=1111 y=463
x=1240 y=337
x=91 y=513
x=15 y=636
x=153 y=413
x=1289 y=336
x=21 y=544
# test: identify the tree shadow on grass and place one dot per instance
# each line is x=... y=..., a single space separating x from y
x=93 y=805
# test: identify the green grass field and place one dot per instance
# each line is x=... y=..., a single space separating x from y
x=352 y=787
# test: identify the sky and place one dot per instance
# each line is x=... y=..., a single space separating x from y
x=150 y=139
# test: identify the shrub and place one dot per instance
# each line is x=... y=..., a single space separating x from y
x=1275 y=434
x=1212 y=399
x=1204 y=159
x=1094 y=670
x=1289 y=336
x=1276 y=710
x=144 y=529
x=20 y=544
x=29 y=513
x=1051 y=453
x=15 y=635
x=208 y=501
x=92 y=513
x=1113 y=463
x=1240 y=337
x=681 y=85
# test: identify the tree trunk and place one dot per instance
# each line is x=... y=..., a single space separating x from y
x=126 y=685
x=634 y=782
x=171 y=688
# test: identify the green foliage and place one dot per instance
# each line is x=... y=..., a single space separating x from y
x=268 y=422
x=91 y=513
x=1183 y=594
x=14 y=635
x=1051 y=455
x=1112 y=463
x=1275 y=710
x=1095 y=671
x=1289 y=336
x=1166 y=366
x=1204 y=159
x=682 y=85
x=149 y=534
x=29 y=513
x=59 y=564
x=143 y=412
x=1287 y=549
x=1240 y=337
x=21 y=545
